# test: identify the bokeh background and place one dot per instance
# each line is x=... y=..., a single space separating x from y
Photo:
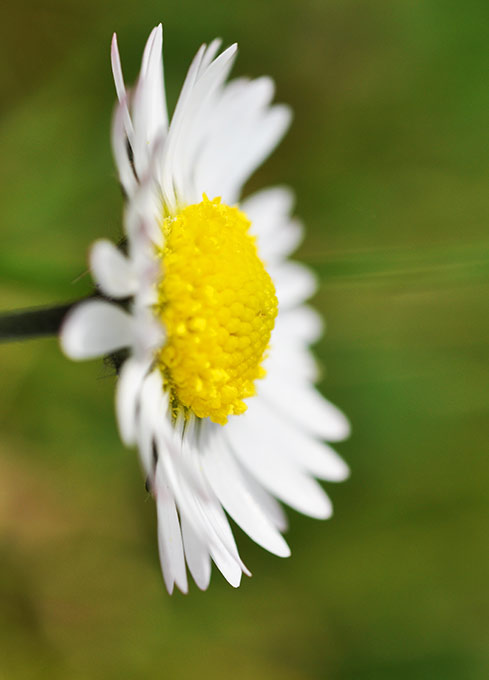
x=389 y=156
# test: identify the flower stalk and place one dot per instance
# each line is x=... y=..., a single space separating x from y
x=25 y=324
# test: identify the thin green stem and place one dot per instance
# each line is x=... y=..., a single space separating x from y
x=23 y=324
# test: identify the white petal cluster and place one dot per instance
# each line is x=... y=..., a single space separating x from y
x=199 y=472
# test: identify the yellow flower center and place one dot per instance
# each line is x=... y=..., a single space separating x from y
x=218 y=306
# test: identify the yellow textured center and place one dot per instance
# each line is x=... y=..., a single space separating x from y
x=218 y=306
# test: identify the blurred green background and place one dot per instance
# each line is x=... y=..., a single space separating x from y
x=389 y=155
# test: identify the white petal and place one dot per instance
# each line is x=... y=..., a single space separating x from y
x=197 y=555
x=119 y=147
x=170 y=154
x=284 y=240
x=268 y=208
x=291 y=442
x=226 y=561
x=270 y=506
x=256 y=449
x=189 y=125
x=193 y=131
x=240 y=131
x=302 y=324
x=121 y=89
x=209 y=54
x=149 y=113
x=232 y=490
x=285 y=480
x=269 y=213
x=112 y=270
x=272 y=128
x=142 y=219
x=201 y=508
x=95 y=328
x=303 y=404
x=292 y=359
x=152 y=410
x=293 y=282
x=169 y=537
x=128 y=391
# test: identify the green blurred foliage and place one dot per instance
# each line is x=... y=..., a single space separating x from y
x=389 y=156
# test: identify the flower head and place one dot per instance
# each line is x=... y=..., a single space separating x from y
x=217 y=391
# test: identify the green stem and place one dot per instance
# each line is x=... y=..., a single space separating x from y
x=23 y=324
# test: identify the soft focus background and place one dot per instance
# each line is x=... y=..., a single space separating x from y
x=389 y=156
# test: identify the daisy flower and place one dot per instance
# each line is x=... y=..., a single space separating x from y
x=216 y=387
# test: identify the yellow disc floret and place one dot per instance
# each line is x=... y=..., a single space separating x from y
x=218 y=306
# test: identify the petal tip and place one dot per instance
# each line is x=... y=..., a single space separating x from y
x=344 y=472
x=183 y=588
x=286 y=552
x=70 y=335
x=326 y=512
x=114 y=49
